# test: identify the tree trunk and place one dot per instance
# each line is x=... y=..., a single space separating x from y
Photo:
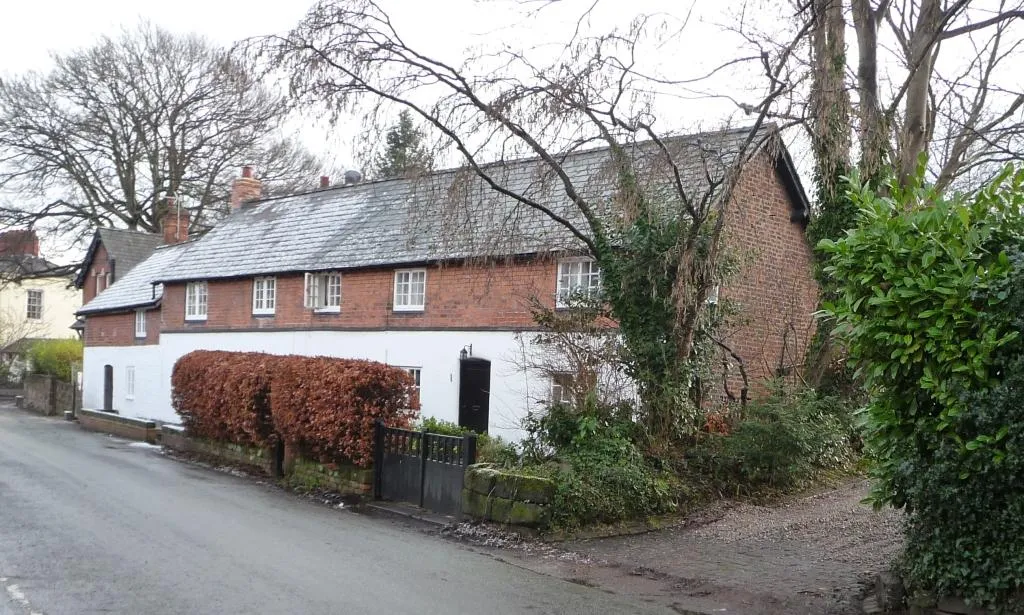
x=914 y=140
x=874 y=140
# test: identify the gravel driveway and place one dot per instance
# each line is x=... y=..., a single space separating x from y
x=811 y=554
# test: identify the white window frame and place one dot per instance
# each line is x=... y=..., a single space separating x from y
x=140 y=324
x=417 y=376
x=264 y=295
x=322 y=292
x=197 y=297
x=29 y=293
x=575 y=279
x=405 y=302
x=713 y=295
x=561 y=392
x=129 y=382
x=100 y=277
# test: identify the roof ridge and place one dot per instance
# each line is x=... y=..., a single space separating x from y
x=767 y=126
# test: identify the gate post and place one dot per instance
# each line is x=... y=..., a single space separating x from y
x=423 y=463
x=378 y=458
x=468 y=449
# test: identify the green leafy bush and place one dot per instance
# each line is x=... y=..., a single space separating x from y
x=921 y=308
x=931 y=292
x=489 y=449
x=966 y=504
x=600 y=475
x=782 y=442
x=55 y=357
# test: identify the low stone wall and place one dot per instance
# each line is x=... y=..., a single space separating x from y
x=298 y=471
x=504 y=497
x=261 y=459
x=126 y=427
x=48 y=395
x=346 y=479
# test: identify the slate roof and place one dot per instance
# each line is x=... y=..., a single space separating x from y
x=19 y=266
x=136 y=288
x=127 y=248
x=446 y=215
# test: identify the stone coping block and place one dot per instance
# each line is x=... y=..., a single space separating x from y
x=485 y=479
x=115 y=424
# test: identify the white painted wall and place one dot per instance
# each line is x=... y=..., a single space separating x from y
x=60 y=302
x=435 y=352
x=149 y=374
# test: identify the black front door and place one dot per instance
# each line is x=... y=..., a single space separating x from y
x=474 y=393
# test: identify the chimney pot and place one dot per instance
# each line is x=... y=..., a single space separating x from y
x=24 y=242
x=325 y=181
x=246 y=188
x=175 y=222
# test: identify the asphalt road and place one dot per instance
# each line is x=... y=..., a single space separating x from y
x=92 y=524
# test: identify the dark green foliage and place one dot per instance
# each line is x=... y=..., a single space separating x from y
x=600 y=475
x=639 y=277
x=929 y=305
x=489 y=449
x=55 y=357
x=405 y=153
x=782 y=442
x=966 y=504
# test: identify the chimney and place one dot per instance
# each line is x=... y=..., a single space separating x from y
x=175 y=222
x=325 y=182
x=246 y=188
x=19 y=243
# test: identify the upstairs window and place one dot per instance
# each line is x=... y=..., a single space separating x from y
x=577 y=278
x=195 y=301
x=410 y=290
x=102 y=281
x=264 y=295
x=34 y=304
x=140 y=323
x=323 y=292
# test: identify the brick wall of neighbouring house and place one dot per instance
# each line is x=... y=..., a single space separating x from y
x=100 y=263
x=458 y=296
x=119 y=329
x=775 y=286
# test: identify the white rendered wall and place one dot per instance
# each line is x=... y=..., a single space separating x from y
x=149 y=374
x=435 y=352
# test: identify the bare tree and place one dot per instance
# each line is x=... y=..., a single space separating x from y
x=511 y=103
x=935 y=77
x=99 y=139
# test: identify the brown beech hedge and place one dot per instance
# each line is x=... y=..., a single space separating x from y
x=325 y=407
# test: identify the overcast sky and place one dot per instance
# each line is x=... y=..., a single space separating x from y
x=32 y=30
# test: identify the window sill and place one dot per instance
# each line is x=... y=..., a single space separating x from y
x=407 y=310
x=327 y=310
x=195 y=319
x=263 y=314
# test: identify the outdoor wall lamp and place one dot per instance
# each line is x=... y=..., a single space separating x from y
x=466 y=352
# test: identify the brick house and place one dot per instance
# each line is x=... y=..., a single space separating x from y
x=434 y=274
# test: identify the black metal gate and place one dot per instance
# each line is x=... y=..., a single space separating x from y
x=421 y=468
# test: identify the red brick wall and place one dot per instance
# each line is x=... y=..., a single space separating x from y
x=775 y=286
x=481 y=296
x=119 y=329
x=100 y=262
